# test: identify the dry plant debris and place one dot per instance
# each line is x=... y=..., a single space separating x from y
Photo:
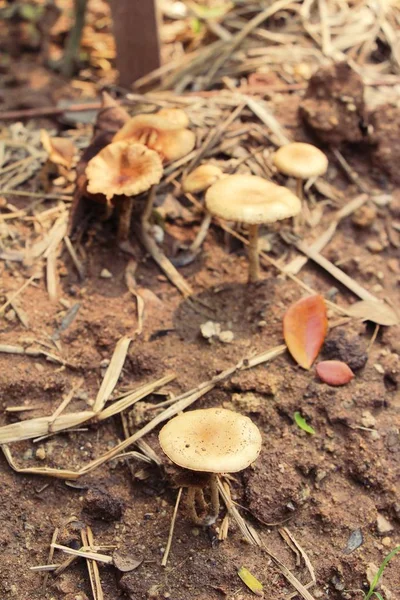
x=227 y=90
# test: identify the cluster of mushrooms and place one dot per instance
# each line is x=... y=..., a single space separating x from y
x=206 y=443
x=133 y=162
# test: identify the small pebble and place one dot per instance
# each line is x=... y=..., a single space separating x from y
x=387 y=541
x=367 y=419
x=379 y=368
x=383 y=525
x=364 y=216
x=374 y=246
x=40 y=453
x=105 y=274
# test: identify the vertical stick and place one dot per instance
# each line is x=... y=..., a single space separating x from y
x=136 y=38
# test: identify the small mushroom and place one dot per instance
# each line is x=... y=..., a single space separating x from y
x=209 y=441
x=201 y=178
x=123 y=169
x=198 y=181
x=61 y=151
x=252 y=200
x=165 y=132
x=301 y=161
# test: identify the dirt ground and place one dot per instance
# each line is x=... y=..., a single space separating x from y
x=334 y=490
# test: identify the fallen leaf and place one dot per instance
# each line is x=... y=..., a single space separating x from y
x=126 y=563
x=304 y=328
x=378 y=312
x=334 y=372
x=251 y=582
x=302 y=423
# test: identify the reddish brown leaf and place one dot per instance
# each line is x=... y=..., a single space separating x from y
x=304 y=328
x=334 y=372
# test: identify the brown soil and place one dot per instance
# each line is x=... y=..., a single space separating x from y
x=322 y=487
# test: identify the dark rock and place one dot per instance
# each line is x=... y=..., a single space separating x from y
x=385 y=135
x=333 y=106
x=341 y=345
x=100 y=504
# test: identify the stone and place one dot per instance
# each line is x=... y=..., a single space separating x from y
x=333 y=105
x=106 y=274
x=102 y=505
x=341 y=345
x=368 y=419
x=383 y=525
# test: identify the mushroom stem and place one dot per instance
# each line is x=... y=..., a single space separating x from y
x=201 y=234
x=199 y=496
x=191 y=504
x=214 y=498
x=124 y=219
x=254 y=261
x=299 y=189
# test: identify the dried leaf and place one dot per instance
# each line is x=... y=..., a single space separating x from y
x=304 y=328
x=334 y=372
x=126 y=563
x=302 y=423
x=251 y=582
x=378 y=312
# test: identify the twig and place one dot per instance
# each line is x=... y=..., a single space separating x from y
x=85 y=553
x=171 y=530
x=319 y=244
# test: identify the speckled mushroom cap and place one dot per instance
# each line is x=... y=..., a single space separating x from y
x=201 y=178
x=251 y=199
x=123 y=168
x=165 y=132
x=214 y=440
x=300 y=160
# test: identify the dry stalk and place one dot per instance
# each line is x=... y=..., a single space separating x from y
x=171 y=530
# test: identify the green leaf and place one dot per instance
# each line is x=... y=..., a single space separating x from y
x=29 y=12
x=196 y=26
x=252 y=583
x=302 y=423
x=377 y=577
x=212 y=12
x=377 y=594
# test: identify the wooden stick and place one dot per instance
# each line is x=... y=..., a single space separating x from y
x=171 y=530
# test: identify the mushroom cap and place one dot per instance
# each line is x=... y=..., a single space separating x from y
x=123 y=168
x=61 y=151
x=163 y=132
x=175 y=116
x=251 y=199
x=300 y=160
x=201 y=178
x=214 y=440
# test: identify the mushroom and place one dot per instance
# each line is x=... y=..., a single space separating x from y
x=61 y=151
x=252 y=200
x=198 y=181
x=301 y=161
x=201 y=178
x=165 y=132
x=209 y=441
x=123 y=169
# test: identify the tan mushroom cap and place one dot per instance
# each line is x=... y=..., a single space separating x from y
x=300 y=160
x=163 y=132
x=251 y=199
x=61 y=151
x=123 y=168
x=214 y=440
x=201 y=178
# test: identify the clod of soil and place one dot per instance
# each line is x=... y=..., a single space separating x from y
x=100 y=504
x=385 y=122
x=333 y=106
x=350 y=349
